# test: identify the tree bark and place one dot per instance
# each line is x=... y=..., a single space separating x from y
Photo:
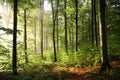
x=41 y=22
x=65 y=18
x=57 y=25
x=25 y=37
x=53 y=19
x=103 y=42
x=46 y=39
x=76 y=19
x=14 y=55
x=95 y=24
x=35 y=49
x=92 y=21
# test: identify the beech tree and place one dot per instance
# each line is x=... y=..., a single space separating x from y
x=65 y=25
x=41 y=23
x=53 y=21
x=92 y=21
x=76 y=19
x=35 y=40
x=95 y=23
x=57 y=25
x=25 y=36
x=14 y=56
x=103 y=41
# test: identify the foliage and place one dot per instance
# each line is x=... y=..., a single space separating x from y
x=9 y=31
x=87 y=55
x=4 y=57
x=3 y=50
x=6 y=30
x=115 y=73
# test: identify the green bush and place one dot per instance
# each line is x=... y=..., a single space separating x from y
x=115 y=73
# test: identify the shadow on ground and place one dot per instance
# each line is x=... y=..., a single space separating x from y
x=52 y=72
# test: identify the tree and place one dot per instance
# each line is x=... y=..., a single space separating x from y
x=53 y=20
x=14 y=55
x=57 y=25
x=41 y=22
x=76 y=19
x=65 y=22
x=35 y=36
x=103 y=42
x=25 y=36
x=95 y=23
x=76 y=3
x=92 y=21
x=25 y=5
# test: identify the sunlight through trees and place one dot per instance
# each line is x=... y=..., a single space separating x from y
x=44 y=35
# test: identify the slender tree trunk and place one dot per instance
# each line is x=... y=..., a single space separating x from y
x=71 y=34
x=46 y=38
x=41 y=38
x=35 y=49
x=70 y=37
x=65 y=18
x=57 y=27
x=83 y=30
x=103 y=42
x=41 y=22
x=25 y=37
x=53 y=18
x=89 y=30
x=14 y=55
x=57 y=37
x=76 y=25
x=92 y=21
x=95 y=24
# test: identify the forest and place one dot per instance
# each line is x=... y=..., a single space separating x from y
x=59 y=40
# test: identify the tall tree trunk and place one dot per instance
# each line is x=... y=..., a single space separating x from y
x=57 y=27
x=89 y=30
x=72 y=39
x=65 y=18
x=14 y=55
x=71 y=34
x=103 y=42
x=95 y=24
x=92 y=21
x=41 y=38
x=35 y=49
x=46 y=39
x=53 y=18
x=41 y=22
x=25 y=37
x=76 y=4
x=83 y=30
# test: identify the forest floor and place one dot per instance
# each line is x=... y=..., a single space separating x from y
x=53 y=72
